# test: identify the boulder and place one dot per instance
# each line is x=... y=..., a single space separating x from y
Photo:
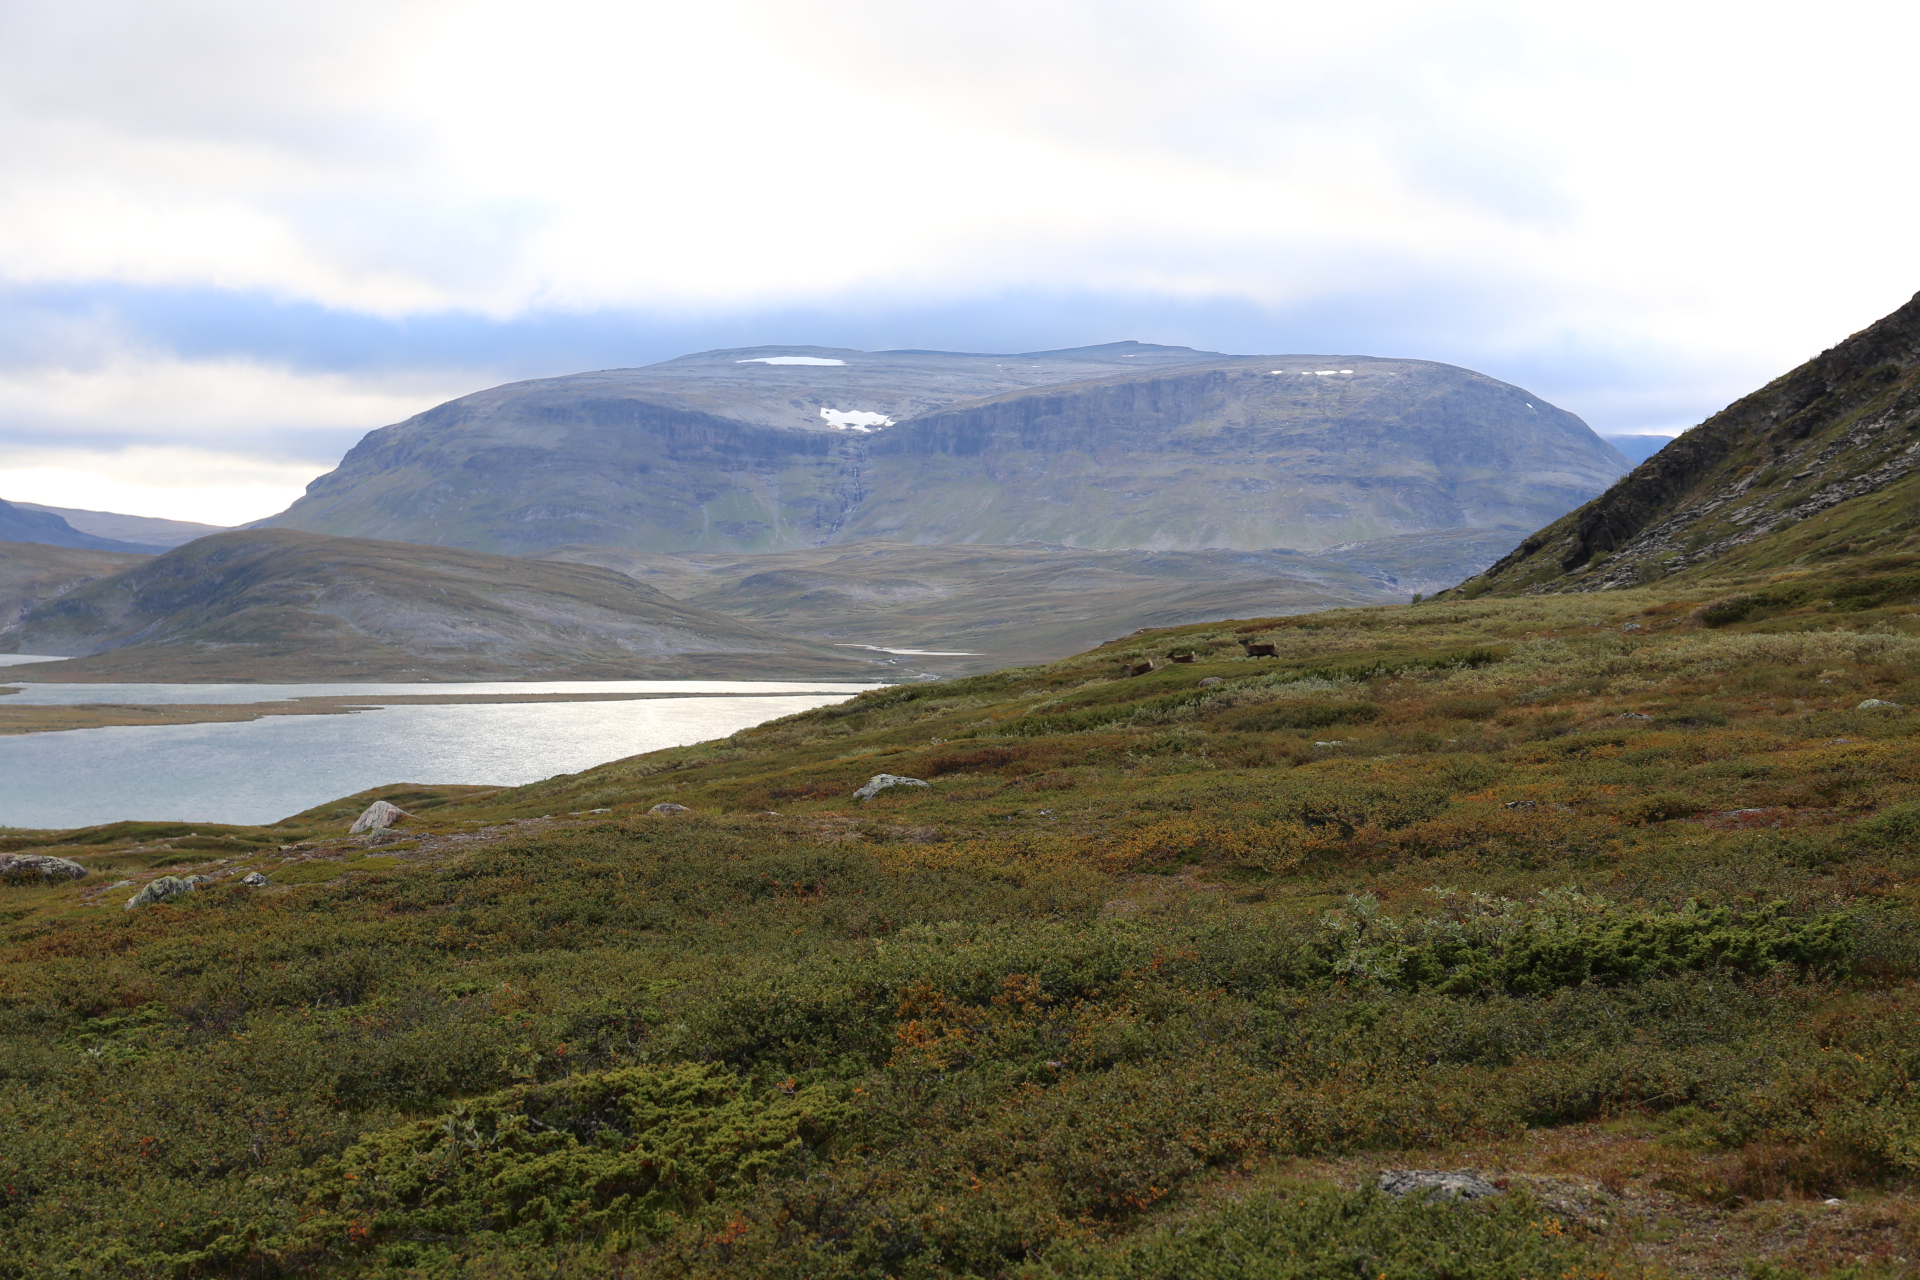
x=1214 y=680
x=379 y=815
x=669 y=808
x=255 y=880
x=162 y=889
x=1879 y=704
x=881 y=781
x=42 y=868
x=1436 y=1184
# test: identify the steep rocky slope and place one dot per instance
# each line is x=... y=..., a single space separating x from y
x=1124 y=445
x=1833 y=444
x=283 y=605
x=25 y=524
x=32 y=573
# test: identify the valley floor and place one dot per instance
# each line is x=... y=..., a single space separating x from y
x=1609 y=897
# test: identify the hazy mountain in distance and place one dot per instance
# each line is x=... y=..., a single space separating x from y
x=1123 y=445
x=20 y=523
x=281 y=605
x=1033 y=603
x=1813 y=476
x=149 y=531
x=1637 y=449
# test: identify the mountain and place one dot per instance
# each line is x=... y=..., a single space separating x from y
x=32 y=573
x=1031 y=603
x=1816 y=465
x=1123 y=445
x=19 y=523
x=288 y=606
x=1637 y=449
x=150 y=531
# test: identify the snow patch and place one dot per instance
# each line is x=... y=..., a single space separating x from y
x=855 y=419
x=1317 y=373
x=789 y=360
x=918 y=653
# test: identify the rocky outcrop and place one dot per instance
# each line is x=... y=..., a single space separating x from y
x=378 y=816
x=1839 y=428
x=164 y=888
x=881 y=781
x=38 y=868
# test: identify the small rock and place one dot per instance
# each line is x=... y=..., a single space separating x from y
x=1633 y=626
x=255 y=880
x=669 y=808
x=162 y=889
x=24 y=868
x=769 y=813
x=1833 y=1204
x=881 y=781
x=379 y=814
x=1879 y=704
x=1633 y=715
x=1337 y=742
x=1437 y=1184
x=119 y=884
x=1214 y=680
x=599 y=811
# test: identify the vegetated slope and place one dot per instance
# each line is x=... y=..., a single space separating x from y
x=25 y=524
x=1117 y=446
x=1826 y=442
x=1153 y=978
x=1031 y=603
x=281 y=605
x=32 y=573
x=151 y=531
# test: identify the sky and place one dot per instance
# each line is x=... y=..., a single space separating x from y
x=234 y=236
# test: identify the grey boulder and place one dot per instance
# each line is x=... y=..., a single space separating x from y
x=25 y=868
x=255 y=880
x=1436 y=1184
x=669 y=808
x=1879 y=704
x=881 y=781
x=162 y=889
x=379 y=815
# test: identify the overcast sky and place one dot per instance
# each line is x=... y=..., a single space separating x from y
x=234 y=236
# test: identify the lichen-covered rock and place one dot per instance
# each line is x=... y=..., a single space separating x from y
x=255 y=880
x=1879 y=704
x=28 y=868
x=1436 y=1184
x=379 y=815
x=162 y=889
x=669 y=808
x=881 y=781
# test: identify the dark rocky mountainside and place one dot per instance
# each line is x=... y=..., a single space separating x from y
x=1125 y=445
x=24 y=524
x=1816 y=464
x=32 y=573
x=291 y=606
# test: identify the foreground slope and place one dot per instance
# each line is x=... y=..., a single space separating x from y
x=1124 y=445
x=1612 y=904
x=280 y=605
x=1834 y=443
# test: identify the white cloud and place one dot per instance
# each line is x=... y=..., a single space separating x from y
x=172 y=482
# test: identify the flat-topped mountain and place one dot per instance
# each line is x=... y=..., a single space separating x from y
x=289 y=606
x=1816 y=468
x=1123 y=445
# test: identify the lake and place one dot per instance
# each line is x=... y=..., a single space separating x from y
x=263 y=770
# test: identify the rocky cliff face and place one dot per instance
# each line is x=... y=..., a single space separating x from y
x=1814 y=444
x=1125 y=445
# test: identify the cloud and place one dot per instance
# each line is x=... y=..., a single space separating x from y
x=1637 y=212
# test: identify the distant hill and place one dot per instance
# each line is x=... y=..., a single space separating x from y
x=21 y=523
x=1810 y=476
x=1637 y=449
x=149 y=531
x=286 y=606
x=1120 y=446
x=1032 y=603
x=32 y=573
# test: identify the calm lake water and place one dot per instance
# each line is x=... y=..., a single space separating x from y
x=267 y=769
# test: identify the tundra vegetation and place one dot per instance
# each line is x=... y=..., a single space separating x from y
x=1608 y=894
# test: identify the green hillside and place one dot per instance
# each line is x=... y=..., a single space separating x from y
x=1603 y=896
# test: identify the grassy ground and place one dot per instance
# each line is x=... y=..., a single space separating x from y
x=1608 y=896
